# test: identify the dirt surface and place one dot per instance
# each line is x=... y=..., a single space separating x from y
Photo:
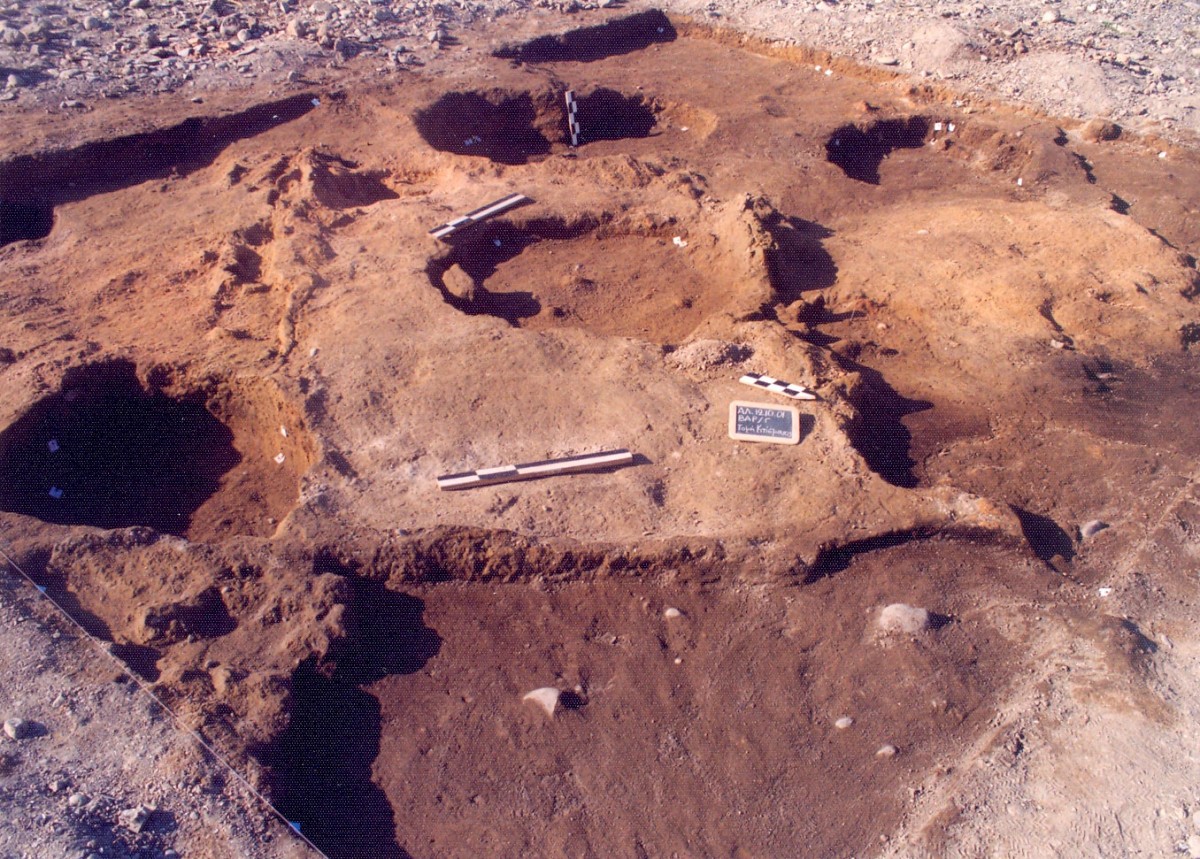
x=235 y=363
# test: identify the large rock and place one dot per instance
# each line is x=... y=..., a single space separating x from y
x=903 y=619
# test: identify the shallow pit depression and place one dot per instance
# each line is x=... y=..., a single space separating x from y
x=518 y=127
x=111 y=451
x=641 y=280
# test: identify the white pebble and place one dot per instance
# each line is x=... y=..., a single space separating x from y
x=672 y=613
x=888 y=751
x=1092 y=528
x=16 y=729
x=546 y=697
x=843 y=723
x=1050 y=16
x=899 y=617
x=1105 y=591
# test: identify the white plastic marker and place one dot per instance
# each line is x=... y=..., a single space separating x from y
x=573 y=117
x=481 y=214
x=532 y=470
x=766 y=383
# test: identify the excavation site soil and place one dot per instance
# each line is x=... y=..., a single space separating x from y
x=235 y=362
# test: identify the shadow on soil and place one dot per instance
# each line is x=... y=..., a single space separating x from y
x=32 y=185
x=588 y=44
x=321 y=765
x=481 y=250
x=859 y=150
x=798 y=263
x=503 y=129
x=1045 y=537
x=108 y=453
x=608 y=115
x=878 y=432
x=516 y=128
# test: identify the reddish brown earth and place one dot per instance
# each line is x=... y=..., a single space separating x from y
x=255 y=362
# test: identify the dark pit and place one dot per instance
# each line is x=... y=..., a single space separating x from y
x=608 y=278
x=860 y=149
x=22 y=220
x=109 y=451
x=519 y=127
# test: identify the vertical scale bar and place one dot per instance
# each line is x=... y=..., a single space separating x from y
x=572 y=117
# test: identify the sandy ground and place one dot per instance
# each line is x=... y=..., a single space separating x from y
x=236 y=363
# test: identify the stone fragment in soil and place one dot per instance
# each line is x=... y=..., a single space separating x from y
x=17 y=729
x=546 y=697
x=1092 y=528
x=901 y=618
x=136 y=819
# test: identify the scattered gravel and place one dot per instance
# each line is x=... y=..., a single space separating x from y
x=1133 y=62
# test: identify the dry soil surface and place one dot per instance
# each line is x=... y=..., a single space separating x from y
x=957 y=618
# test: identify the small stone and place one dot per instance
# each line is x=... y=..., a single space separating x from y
x=546 y=697
x=13 y=82
x=843 y=723
x=297 y=28
x=1092 y=528
x=888 y=751
x=1051 y=16
x=91 y=22
x=1092 y=7
x=1193 y=846
x=17 y=729
x=139 y=4
x=77 y=800
x=244 y=35
x=136 y=819
x=1095 y=130
x=436 y=36
x=671 y=613
x=902 y=618
x=887 y=60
